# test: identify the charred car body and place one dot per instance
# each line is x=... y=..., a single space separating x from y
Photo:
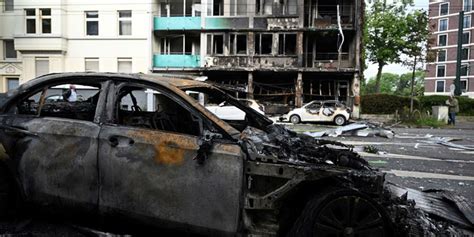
x=172 y=163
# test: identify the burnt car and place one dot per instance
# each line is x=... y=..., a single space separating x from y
x=139 y=148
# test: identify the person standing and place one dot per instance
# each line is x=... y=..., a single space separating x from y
x=70 y=95
x=453 y=104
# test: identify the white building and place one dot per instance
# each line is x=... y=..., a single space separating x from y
x=45 y=36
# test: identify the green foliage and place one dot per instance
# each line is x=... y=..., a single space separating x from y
x=384 y=103
x=466 y=105
x=426 y=122
x=394 y=84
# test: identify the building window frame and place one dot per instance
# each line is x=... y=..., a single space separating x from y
x=91 y=19
x=439 y=24
x=441 y=6
x=30 y=18
x=123 y=20
x=439 y=53
x=466 y=87
x=8 y=80
x=258 y=45
x=233 y=43
x=467 y=55
x=467 y=21
x=437 y=70
x=9 y=6
x=44 y=18
x=212 y=50
x=5 y=49
x=89 y=61
x=465 y=7
x=436 y=86
x=282 y=49
x=446 y=41
x=125 y=60
x=468 y=38
x=466 y=70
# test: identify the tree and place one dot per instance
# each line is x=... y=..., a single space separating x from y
x=416 y=45
x=384 y=35
x=387 y=85
x=404 y=88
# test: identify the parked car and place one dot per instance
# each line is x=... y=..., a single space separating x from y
x=320 y=111
x=227 y=111
x=174 y=164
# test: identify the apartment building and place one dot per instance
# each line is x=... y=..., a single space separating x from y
x=444 y=20
x=46 y=36
x=277 y=51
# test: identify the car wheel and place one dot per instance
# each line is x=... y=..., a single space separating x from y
x=295 y=119
x=340 y=120
x=342 y=212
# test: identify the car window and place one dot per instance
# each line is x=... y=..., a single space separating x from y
x=73 y=101
x=144 y=107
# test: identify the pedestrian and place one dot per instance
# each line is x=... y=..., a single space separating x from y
x=453 y=104
x=71 y=94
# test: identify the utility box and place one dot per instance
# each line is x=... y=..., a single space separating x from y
x=440 y=113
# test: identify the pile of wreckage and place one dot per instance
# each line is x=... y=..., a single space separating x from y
x=356 y=129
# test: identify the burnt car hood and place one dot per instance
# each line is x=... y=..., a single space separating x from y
x=277 y=144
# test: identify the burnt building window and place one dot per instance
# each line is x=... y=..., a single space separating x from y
x=215 y=44
x=264 y=7
x=238 y=7
x=287 y=44
x=263 y=43
x=238 y=44
x=218 y=8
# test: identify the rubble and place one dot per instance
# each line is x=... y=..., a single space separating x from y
x=356 y=129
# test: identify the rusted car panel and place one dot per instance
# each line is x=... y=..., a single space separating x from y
x=158 y=176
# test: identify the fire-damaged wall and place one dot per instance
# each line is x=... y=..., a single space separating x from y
x=286 y=52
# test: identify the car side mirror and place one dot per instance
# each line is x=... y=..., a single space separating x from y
x=206 y=142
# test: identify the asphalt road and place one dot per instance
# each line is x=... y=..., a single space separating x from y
x=412 y=160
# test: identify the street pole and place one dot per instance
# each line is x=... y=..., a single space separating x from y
x=412 y=87
x=457 y=81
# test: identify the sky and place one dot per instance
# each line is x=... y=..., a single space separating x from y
x=371 y=70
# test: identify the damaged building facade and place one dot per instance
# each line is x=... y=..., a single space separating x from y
x=279 y=52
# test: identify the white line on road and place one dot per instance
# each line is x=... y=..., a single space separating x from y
x=408 y=157
x=416 y=174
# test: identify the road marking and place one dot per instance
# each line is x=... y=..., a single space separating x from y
x=408 y=157
x=417 y=174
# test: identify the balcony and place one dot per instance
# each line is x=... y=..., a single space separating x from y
x=257 y=61
x=176 y=61
x=221 y=22
x=177 y=23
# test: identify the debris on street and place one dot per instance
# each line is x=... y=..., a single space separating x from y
x=356 y=129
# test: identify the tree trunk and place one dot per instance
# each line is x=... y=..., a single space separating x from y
x=412 y=87
x=377 y=79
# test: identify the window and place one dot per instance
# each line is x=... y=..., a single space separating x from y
x=466 y=22
x=92 y=23
x=238 y=44
x=440 y=71
x=91 y=64
x=238 y=7
x=287 y=44
x=464 y=86
x=440 y=86
x=9 y=49
x=443 y=25
x=30 y=21
x=441 y=55
x=124 y=65
x=466 y=37
x=263 y=43
x=467 y=5
x=218 y=8
x=444 y=9
x=465 y=54
x=80 y=104
x=9 y=5
x=215 y=44
x=162 y=112
x=41 y=66
x=12 y=83
x=442 y=40
x=464 y=69
x=45 y=21
x=125 y=22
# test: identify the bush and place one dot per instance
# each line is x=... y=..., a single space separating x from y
x=466 y=105
x=385 y=104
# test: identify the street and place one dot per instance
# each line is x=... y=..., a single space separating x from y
x=411 y=161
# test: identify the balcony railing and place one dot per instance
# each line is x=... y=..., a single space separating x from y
x=226 y=22
x=177 y=23
x=176 y=61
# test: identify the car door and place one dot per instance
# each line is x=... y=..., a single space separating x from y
x=312 y=112
x=55 y=151
x=153 y=174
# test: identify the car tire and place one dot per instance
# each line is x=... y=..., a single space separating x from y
x=295 y=119
x=342 y=212
x=340 y=120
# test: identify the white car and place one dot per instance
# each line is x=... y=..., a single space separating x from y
x=226 y=111
x=320 y=111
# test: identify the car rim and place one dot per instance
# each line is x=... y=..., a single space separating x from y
x=294 y=119
x=339 y=120
x=349 y=216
